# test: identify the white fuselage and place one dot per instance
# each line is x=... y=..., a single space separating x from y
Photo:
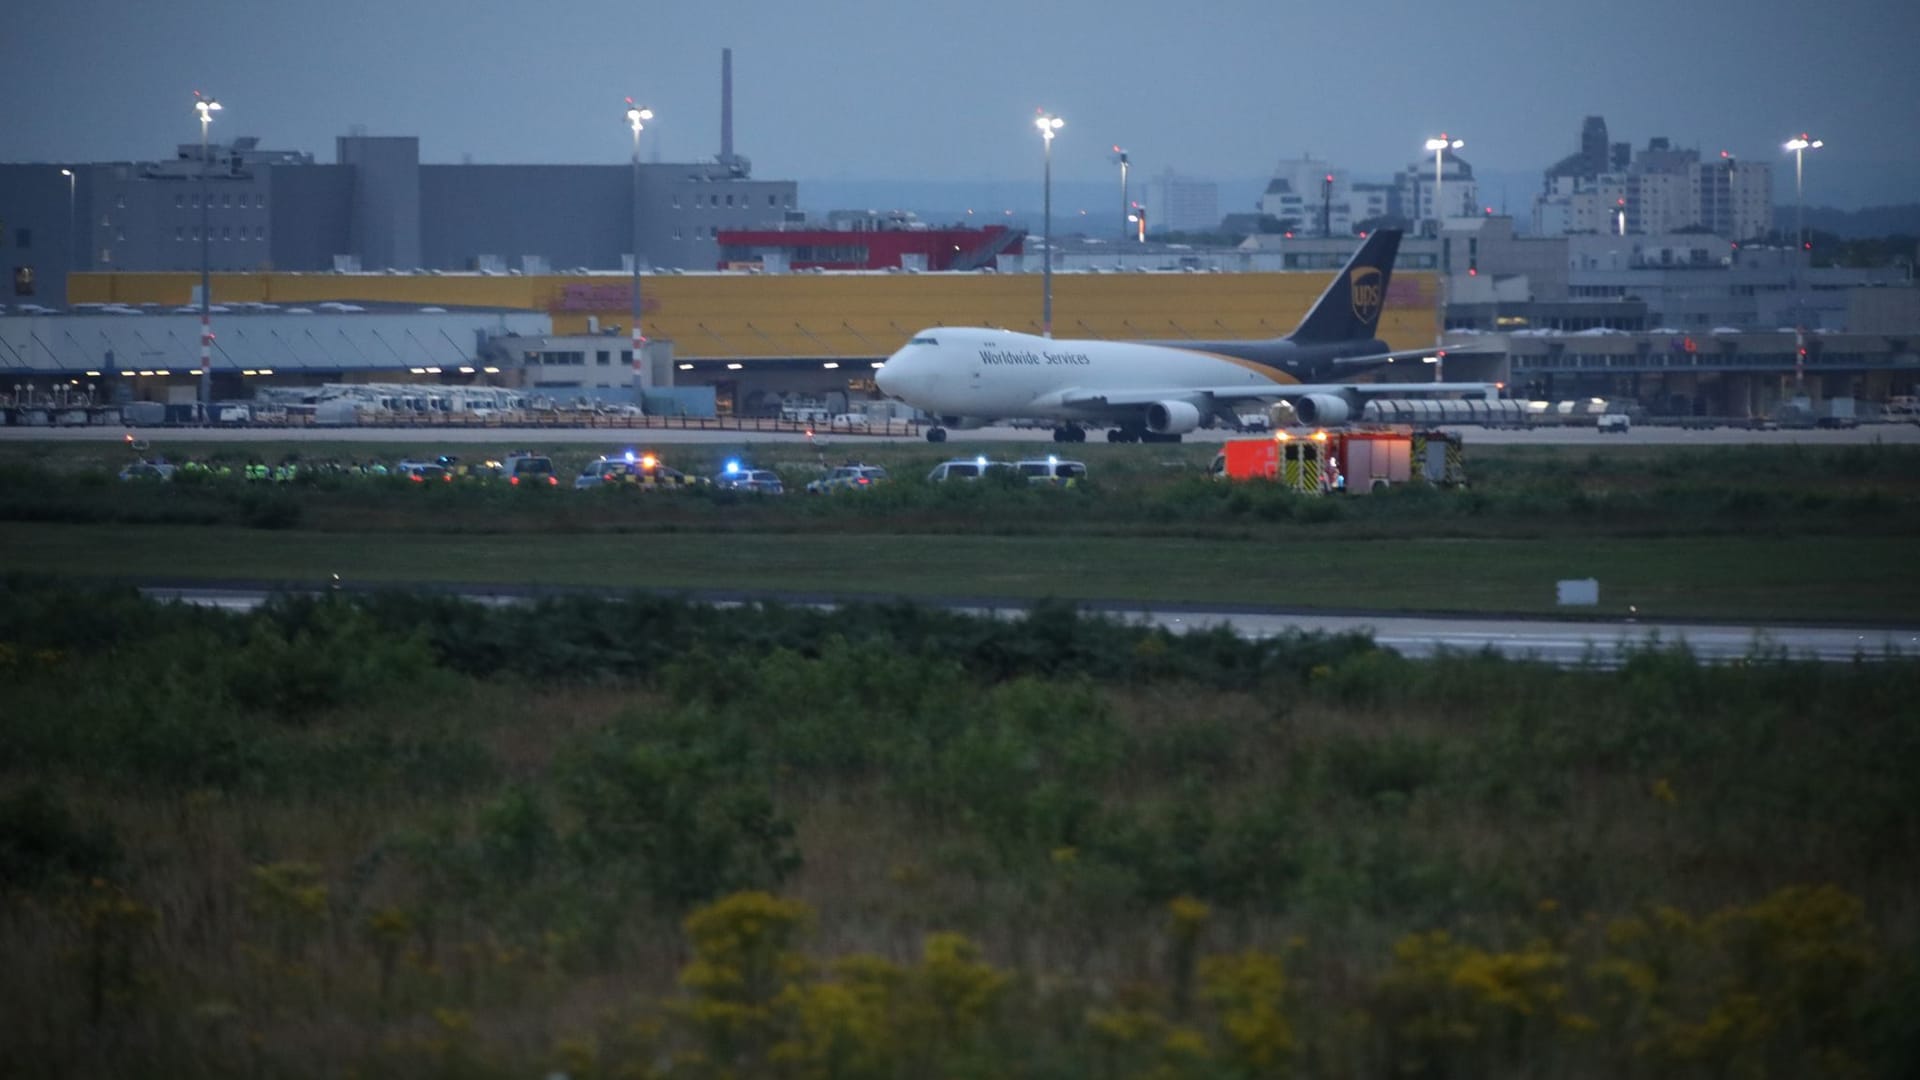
x=985 y=373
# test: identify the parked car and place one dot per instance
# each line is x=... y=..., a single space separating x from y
x=965 y=469
x=851 y=477
x=851 y=420
x=740 y=478
x=483 y=470
x=1614 y=423
x=529 y=470
x=421 y=472
x=1051 y=470
x=147 y=470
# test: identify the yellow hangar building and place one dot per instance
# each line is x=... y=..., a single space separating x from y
x=753 y=337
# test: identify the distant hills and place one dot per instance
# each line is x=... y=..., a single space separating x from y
x=1874 y=221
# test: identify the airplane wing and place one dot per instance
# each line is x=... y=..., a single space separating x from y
x=1267 y=392
x=1408 y=354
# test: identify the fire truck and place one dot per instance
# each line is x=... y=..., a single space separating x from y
x=1358 y=461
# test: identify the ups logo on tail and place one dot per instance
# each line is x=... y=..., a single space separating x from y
x=1364 y=284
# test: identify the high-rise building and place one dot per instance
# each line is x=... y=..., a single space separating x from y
x=1660 y=190
x=1458 y=191
x=1178 y=203
x=1312 y=197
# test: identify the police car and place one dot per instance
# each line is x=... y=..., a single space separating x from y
x=849 y=477
x=421 y=472
x=643 y=471
x=738 y=477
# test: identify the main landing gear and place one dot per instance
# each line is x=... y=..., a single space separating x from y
x=936 y=434
x=1069 y=433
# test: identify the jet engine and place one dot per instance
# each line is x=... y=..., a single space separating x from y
x=1172 y=417
x=1318 y=410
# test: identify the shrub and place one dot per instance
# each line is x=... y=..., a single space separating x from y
x=41 y=841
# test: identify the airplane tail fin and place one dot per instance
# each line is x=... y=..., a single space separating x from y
x=1350 y=308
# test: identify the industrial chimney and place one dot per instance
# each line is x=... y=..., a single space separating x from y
x=726 y=107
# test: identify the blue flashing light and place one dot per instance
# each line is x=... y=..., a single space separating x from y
x=981 y=461
x=733 y=467
x=629 y=457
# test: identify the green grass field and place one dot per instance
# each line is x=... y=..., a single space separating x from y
x=1784 y=578
x=1737 y=533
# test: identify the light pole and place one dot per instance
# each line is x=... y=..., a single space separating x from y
x=1048 y=125
x=1800 y=145
x=71 y=180
x=1126 y=204
x=1440 y=146
x=205 y=107
x=637 y=116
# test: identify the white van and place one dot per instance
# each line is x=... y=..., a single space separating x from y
x=1051 y=470
x=1616 y=423
x=964 y=469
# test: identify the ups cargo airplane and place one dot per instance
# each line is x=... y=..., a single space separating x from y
x=1156 y=391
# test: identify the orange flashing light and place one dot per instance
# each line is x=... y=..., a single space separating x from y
x=1281 y=436
x=1319 y=436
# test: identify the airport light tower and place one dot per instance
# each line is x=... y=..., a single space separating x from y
x=637 y=117
x=69 y=260
x=1440 y=146
x=1800 y=144
x=1126 y=204
x=205 y=107
x=1048 y=125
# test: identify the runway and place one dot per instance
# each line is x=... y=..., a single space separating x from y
x=1866 y=434
x=1562 y=642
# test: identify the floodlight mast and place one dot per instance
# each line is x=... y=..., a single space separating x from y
x=1049 y=125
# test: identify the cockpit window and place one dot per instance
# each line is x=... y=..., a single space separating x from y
x=923 y=341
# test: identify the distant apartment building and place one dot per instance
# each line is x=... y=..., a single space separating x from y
x=1607 y=188
x=1178 y=203
x=1428 y=200
x=1310 y=197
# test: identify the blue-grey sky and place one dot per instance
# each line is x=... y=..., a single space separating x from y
x=936 y=89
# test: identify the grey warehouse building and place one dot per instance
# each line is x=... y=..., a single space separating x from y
x=376 y=208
